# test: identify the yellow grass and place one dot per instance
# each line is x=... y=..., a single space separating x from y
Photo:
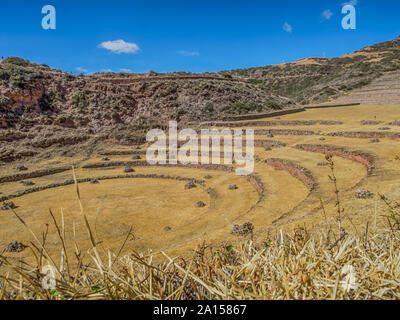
x=150 y=205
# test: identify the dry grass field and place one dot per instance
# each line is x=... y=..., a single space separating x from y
x=292 y=189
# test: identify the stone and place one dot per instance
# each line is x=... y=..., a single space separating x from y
x=322 y=139
x=15 y=246
x=375 y=140
x=21 y=167
x=27 y=183
x=268 y=148
x=207 y=177
x=323 y=164
x=128 y=169
x=167 y=228
x=105 y=159
x=135 y=157
x=94 y=181
x=200 y=204
x=233 y=187
x=136 y=148
x=243 y=230
x=364 y=194
x=190 y=185
x=8 y=206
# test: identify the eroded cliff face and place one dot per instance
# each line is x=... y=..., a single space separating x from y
x=19 y=102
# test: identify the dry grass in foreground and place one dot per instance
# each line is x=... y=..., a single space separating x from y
x=299 y=265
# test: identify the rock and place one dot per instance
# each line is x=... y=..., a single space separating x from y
x=21 y=167
x=8 y=206
x=105 y=159
x=269 y=135
x=207 y=177
x=243 y=230
x=136 y=157
x=27 y=183
x=15 y=246
x=323 y=164
x=167 y=228
x=128 y=169
x=190 y=185
x=375 y=140
x=233 y=187
x=364 y=194
x=322 y=139
x=200 y=204
x=136 y=148
x=268 y=148
x=94 y=181
x=384 y=128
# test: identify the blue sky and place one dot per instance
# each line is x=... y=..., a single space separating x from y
x=189 y=35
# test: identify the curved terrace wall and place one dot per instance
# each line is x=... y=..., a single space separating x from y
x=366 y=159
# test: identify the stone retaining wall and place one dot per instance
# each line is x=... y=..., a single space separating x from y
x=272 y=123
x=31 y=175
x=295 y=170
x=263 y=115
x=362 y=157
x=217 y=167
x=70 y=182
x=365 y=135
x=284 y=132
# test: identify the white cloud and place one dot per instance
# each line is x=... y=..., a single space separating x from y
x=82 y=70
x=189 y=53
x=125 y=70
x=327 y=14
x=351 y=2
x=287 y=27
x=120 y=46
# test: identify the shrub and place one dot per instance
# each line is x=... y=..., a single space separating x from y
x=80 y=99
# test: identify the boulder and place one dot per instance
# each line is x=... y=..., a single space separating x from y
x=8 y=206
x=190 y=185
x=128 y=169
x=243 y=230
x=21 y=167
x=200 y=204
x=15 y=246
x=27 y=183
x=233 y=187
x=364 y=194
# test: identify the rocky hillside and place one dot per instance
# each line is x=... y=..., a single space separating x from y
x=316 y=80
x=41 y=107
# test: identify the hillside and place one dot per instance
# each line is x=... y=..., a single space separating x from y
x=42 y=108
